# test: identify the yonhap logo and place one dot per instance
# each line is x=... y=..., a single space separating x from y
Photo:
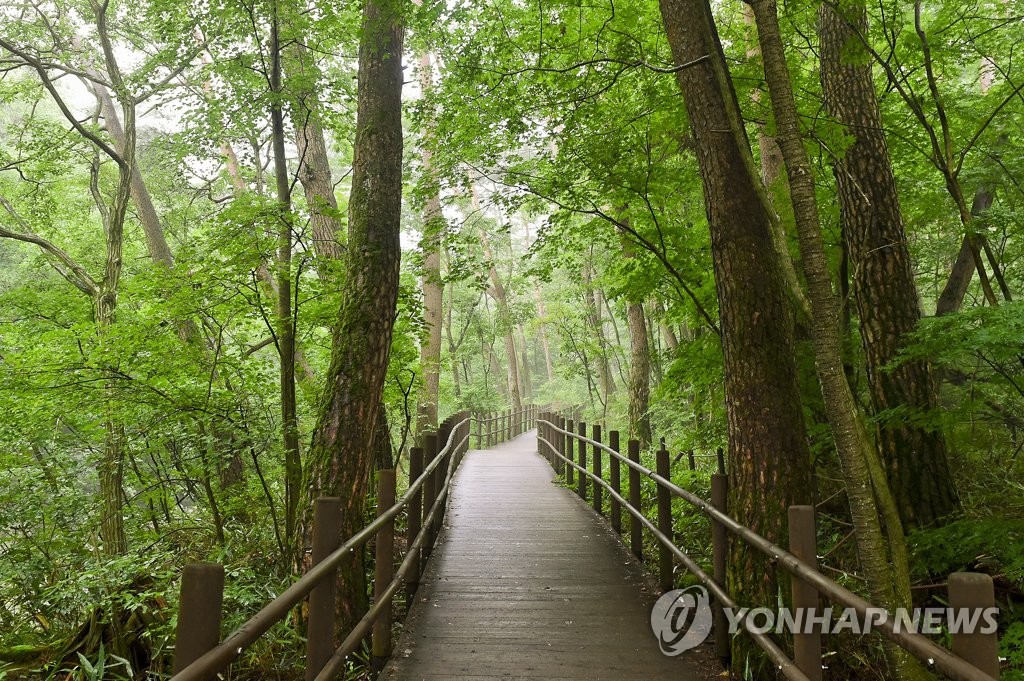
x=681 y=619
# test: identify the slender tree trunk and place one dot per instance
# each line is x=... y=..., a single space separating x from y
x=283 y=305
x=341 y=456
x=884 y=562
x=542 y=314
x=505 y=325
x=768 y=455
x=152 y=229
x=596 y=327
x=314 y=162
x=524 y=352
x=883 y=278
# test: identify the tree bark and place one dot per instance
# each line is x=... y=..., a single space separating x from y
x=882 y=552
x=314 y=162
x=341 y=456
x=768 y=455
x=639 y=367
x=883 y=278
x=433 y=289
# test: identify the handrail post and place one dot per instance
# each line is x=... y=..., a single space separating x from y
x=975 y=590
x=383 y=569
x=615 y=481
x=199 y=613
x=692 y=461
x=441 y=472
x=429 y=493
x=581 y=488
x=561 y=444
x=569 y=449
x=414 y=522
x=636 y=530
x=320 y=627
x=479 y=436
x=598 y=471
x=664 y=521
x=719 y=561
x=803 y=544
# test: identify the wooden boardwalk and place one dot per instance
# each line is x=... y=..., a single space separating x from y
x=526 y=582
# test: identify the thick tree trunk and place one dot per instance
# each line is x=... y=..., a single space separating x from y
x=883 y=278
x=639 y=375
x=768 y=456
x=341 y=456
x=882 y=553
x=639 y=367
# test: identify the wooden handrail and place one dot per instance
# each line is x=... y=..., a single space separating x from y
x=918 y=645
x=447 y=459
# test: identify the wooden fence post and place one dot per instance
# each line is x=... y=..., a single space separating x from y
x=719 y=561
x=636 y=530
x=383 y=569
x=664 y=521
x=975 y=590
x=692 y=461
x=568 y=450
x=803 y=542
x=429 y=494
x=598 y=471
x=199 y=613
x=320 y=625
x=615 y=481
x=581 y=488
x=415 y=522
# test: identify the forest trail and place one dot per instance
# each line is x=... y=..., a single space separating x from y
x=527 y=582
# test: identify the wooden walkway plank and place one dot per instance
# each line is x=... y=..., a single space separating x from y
x=526 y=582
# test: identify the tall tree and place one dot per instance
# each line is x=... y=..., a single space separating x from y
x=768 y=455
x=883 y=276
x=505 y=325
x=639 y=365
x=433 y=288
x=284 y=322
x=341 y=455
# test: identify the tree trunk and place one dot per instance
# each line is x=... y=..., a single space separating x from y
x=596 y=326
x=341 y=456
x=504 y=325
x=156 y=241
x=524 y=354
x=768 y=455
x=639 y=367
x=884 y=562
x=314 y=162
x=542 y=314
x=883 y=278
x=284 y=321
